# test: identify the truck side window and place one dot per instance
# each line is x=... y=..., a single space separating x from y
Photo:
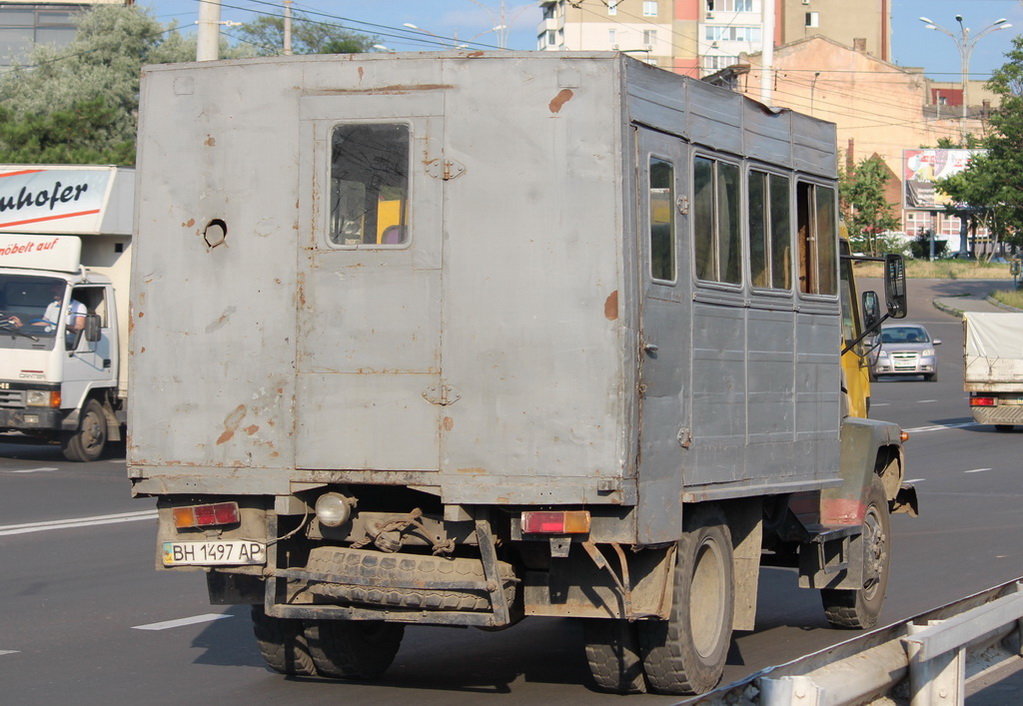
x=716 y=220
x=662 y=220
x=369 y=171
x=818 y=238
x=769 y=234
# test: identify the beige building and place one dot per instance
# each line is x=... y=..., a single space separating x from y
x=878 y=107
x=700 y=37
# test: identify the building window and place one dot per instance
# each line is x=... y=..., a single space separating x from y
x=649 y=37
x=552 y=38
x=813 y=19
x=369 y=185
x=23 y=25
x=739 y=33
x=716 y=226
x=650 y=8
x=612 y=37
x=612 y=7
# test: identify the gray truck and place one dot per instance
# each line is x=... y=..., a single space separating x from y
x=993 y=367
x=462 y=338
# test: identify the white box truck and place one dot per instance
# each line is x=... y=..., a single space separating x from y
x=461 y=338
x=65 y=239
x=993 y=367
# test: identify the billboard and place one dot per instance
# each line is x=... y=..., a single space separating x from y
x=922 y=167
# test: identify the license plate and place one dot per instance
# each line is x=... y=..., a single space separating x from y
x=235 y=552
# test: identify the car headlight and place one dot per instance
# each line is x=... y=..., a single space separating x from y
x=928 y=352
x=882 y=354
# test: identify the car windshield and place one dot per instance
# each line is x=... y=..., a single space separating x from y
x=904 y=334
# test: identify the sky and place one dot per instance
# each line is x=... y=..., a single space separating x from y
x=473 y=20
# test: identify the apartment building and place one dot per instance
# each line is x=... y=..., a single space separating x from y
x=700 y=37
x=24 y=23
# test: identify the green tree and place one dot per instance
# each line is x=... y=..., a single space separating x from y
x=82 y=99
x=992 y=186
x=868 y=214
x=265 y=35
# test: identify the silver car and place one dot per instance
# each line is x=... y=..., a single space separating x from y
x=907 y=349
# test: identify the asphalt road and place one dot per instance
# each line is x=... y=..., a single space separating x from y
x=85 y=617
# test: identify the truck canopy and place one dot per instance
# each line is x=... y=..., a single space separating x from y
x=993 y=349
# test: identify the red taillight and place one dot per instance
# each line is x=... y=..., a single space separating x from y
x=983 y=402
x=212 y=515
x=556 y=522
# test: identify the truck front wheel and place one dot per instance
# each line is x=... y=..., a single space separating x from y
x=686 y=653
x=353 y=649
x=90 y=439
x=860 y=608
x=282 y=643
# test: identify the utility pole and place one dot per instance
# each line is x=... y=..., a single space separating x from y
x=767 y=55
x=207 y=46
x=287 y=28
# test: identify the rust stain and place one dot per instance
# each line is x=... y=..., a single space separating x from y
x=449 y=423
x=231 y=423
x=143 y=350
x=361 y=72
x=384 y=90
x=210 y=141
x=475 y=54
x=251 y=429
x=611 y=306
x=141 y=314
x=472 y=471
x=189 y=223
x=564 y=96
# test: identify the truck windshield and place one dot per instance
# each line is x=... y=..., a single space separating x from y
x=30 y=310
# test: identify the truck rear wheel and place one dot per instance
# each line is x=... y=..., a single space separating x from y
x=686 y=654
x=860 y=608
x=282 y=643
x=90 y=439
x=612 y=651
x=353 y=649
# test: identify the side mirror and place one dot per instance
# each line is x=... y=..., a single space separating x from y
x=895 y=285
x=871 y=311
x=92 y=328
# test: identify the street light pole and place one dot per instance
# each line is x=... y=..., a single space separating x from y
x=964 y=43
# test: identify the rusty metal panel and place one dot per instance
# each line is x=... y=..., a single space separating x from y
x=213 y=283
x=533 y=330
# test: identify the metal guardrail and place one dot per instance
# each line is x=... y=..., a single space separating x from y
x=929 y=659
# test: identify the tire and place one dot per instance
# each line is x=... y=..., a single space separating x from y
x=1004 y=428
x=612 y=652
x=88 y=442
x=861 y=608
x=931 y=377
x=282 y=643
x=686 y=654
x=353 y=649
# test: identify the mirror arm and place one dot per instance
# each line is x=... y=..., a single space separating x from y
x=866 y=333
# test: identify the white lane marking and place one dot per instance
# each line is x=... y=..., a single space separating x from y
x=880 y=404
x=916 y=480
x=180 y=622
x=940 y=427
x=977 y=470
x=8 y=652
x=30 y=527
x=43 y=469
x=925 y=401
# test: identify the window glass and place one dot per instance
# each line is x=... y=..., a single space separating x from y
x=781 y=233
x=369 y=187
x=703 y=218
x=759 y=249
x=662 y=220
x=827 y=239
x=729 y=227
x=650 y=8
